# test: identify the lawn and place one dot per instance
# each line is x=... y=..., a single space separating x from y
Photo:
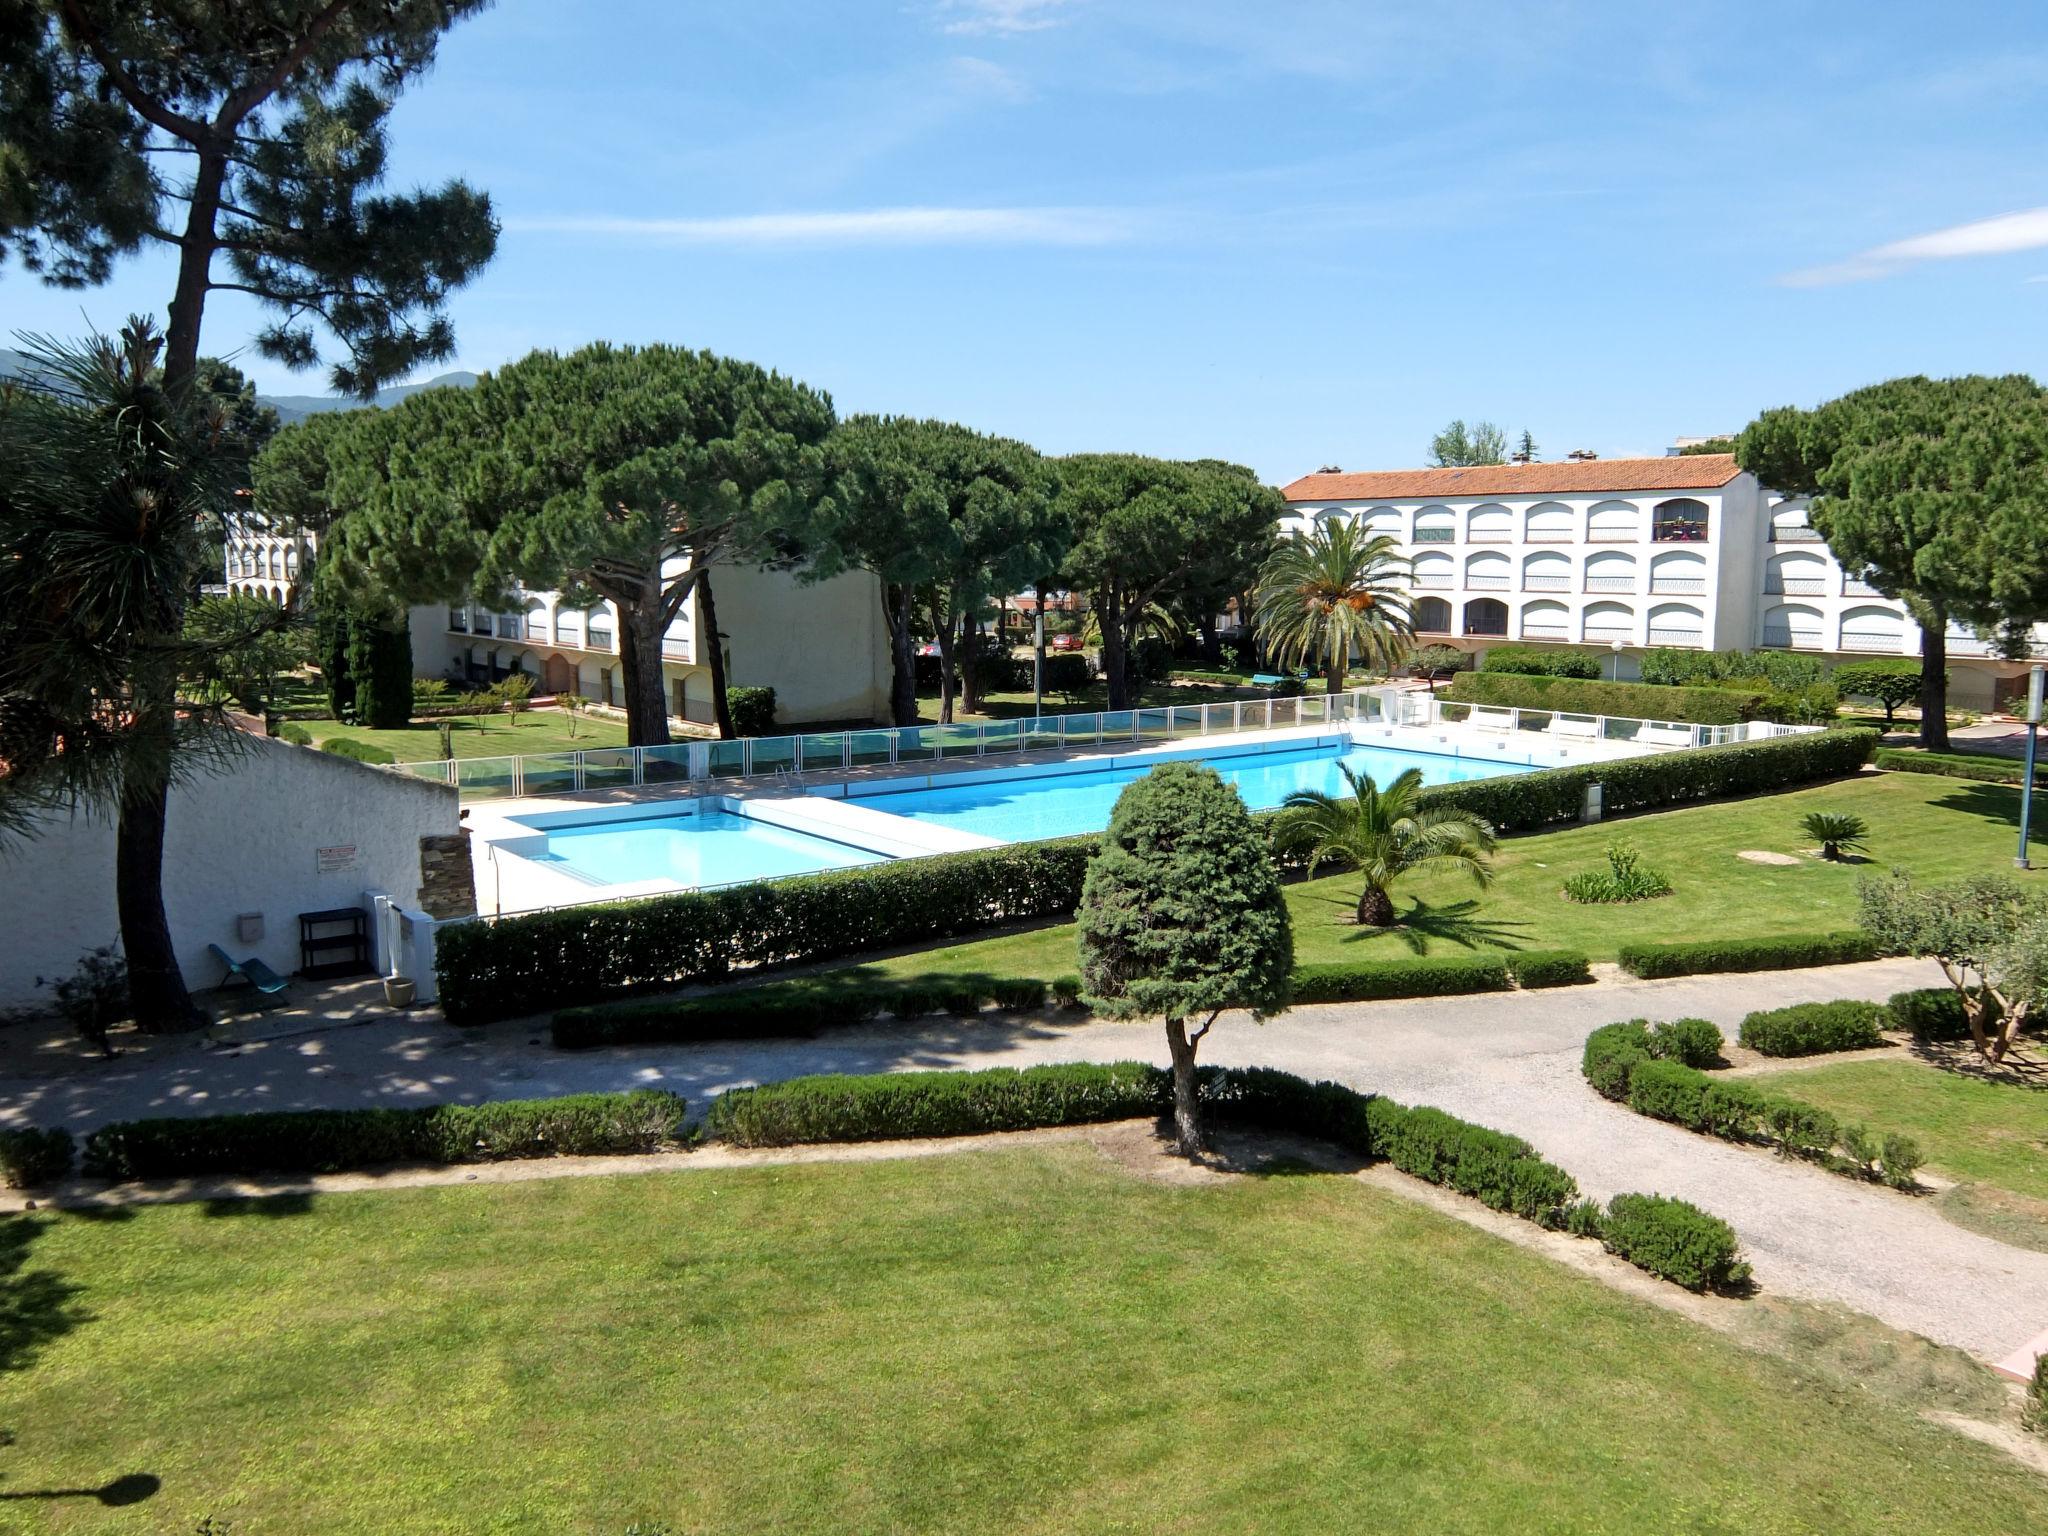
x=1971 y=1128
x=1937 y=828
x=1024 y=1341
x=537 y=730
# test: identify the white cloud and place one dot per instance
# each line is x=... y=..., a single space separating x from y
x=969 y=18
x=869 y=226
x=2026 y=230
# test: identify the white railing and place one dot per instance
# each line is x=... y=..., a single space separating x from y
x=1607 y=633
x=1486 y=583
x=1546 y=583
x=787 y=757
x=1660 y=635
x=1431 y=584
x=1777 y=637
x=1546 y=632
x=1610 y=583
x=1795 y=586
x=1677 y=586
x=1787 y=533
x=1572 y=725
x=1549 y=536
x=1436 y=536
x=1871 y=640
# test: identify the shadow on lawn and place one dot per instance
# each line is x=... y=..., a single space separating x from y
x=36 y=1306
x=1452 y=922
x=1998 y=803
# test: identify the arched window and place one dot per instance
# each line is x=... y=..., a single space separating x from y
x=1383 y=520
x=1679 y=572
x=1490 y=571
x=1432 y=616
x=1551 y=522
x=1490 y=525
x=1677 y=624
x=1436 y=525
x=1874 y=628
x=1613 y=522
x=1546 y=619
x=1789 y=524
x=1611 y=571
x=1486 y=616
x=1434 y=572
x=1794 y=626
x=537 y=626
x=1604 y=623
x=1681 y=520
x=1796 y=573
x=1548 y=570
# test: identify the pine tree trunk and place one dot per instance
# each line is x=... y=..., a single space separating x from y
x=1934 y=683
x=1109 y=614
x=707 y=614
x=1375 y=908
x=896 y=614
x=640 y=675
x=1212 y=646
x=944 y=633
x=156 y=987
x=1038 y=653
x=1187 y=1109
x=970 y=664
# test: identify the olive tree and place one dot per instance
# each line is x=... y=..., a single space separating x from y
x=1181 y=917
x=1989 y=935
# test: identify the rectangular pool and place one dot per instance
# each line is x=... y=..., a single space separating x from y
x=705 y=848
x=1058 y=802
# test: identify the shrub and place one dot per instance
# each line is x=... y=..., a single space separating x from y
x=1785 y=951
x=1701 y=706
x=1801 y=1129
x=1784 y=670
x=1899 y=1159
x=31 y=1156
x=1439 y=658
x=1957 y=765
x=95 y=997
x=1068 y=674
x=297 y=735
x=380 y=664
x=356 y=751
x=1585 y=1218
x=1809 y=1029
x=1612 y=1054
x=1531 y=661
x=1533 y=968
x=1624 y=879
x=889 y=1105
x=1669 y=1090
x=752 y=711
x=1500 y=1171
x=1351 y=981
x=1930 y=1013
x=2035 y=1414
x=795 y=1007
x=1675 y=1240
x=1064 y=991
x=1889 y=683
x=1732 y=1108
x=494 y=969
x=1696 y=1042
x=1837 y=832
x=330 y=1140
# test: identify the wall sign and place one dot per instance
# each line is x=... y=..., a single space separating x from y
x=335 y=861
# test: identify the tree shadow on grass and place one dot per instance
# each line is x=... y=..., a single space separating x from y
x=36 y=1306
x=1998 y=803
x=1453 y=922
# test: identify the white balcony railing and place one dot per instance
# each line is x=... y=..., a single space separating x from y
x=1788 y=533
x=1486 y=583
x=1851 y=587
x=1885 y=640
x=1549 y=536
x=1610 y=583
x=1546 y=632
x=1436 y=535
x=673 y=649
x=1677 y=586
x=1607 y=633
x=1547 y=583
x=1432 y=584
x=1614 y=536
x=1778 y=637
x=1795 y=586
x=1663 y=634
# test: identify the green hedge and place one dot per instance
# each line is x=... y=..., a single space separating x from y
x=1700 y=706
x=1548 y=967
x=358 y=751
x=1956 y=765
x=1676 y=1240
x=495 y=969
x=31 y=1157
x=330 y=1140
x=297 y=735
x=1614 y=1051
x=1673 y=666
x=1785 y=951
x=1929 y=1013
x=505 y=967
x=752 y=711
x=795 y=1007
x=1534 y=661
x=1810 y=1029
x=1352 y=981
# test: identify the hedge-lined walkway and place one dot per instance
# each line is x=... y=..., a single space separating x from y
x=1508 y=1060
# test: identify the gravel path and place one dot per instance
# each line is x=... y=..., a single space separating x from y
x=1506 y=1060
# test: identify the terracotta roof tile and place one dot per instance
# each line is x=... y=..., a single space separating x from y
x=1678 y=472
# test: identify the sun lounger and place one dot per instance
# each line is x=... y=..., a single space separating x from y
x=1657 y=733
x=251 y=970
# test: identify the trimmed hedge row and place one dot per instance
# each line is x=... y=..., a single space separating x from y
x=505 y=967
x=1676 y=1240
x=1810 y=1029
x=31 y=1157
x=1780 y=952
x=1931 y=1013
x=356 y=751
x=331 y=1140
x=297 y=735
x=1354 y=981
x=1534 y=968
x=1628 y=1063
x=1645 y=701
x=797 y=1007
x=1535 y=661
x=1957 y=765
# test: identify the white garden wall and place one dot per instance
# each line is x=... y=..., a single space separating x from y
x=249 y=840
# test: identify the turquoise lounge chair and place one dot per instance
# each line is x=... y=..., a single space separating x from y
x=251 y=970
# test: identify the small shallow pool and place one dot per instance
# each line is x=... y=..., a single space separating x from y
x=1052 y=803
x=707 y=848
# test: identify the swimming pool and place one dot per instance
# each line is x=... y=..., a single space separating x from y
x=692 y=849
x=1057 y=801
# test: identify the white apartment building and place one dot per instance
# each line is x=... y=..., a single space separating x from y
x=823 y=648
x=1685 y=550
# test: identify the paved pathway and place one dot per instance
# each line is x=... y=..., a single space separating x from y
x=1507 y=1060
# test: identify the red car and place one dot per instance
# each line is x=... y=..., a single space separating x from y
x=1063 y=643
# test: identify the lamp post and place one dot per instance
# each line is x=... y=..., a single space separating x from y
x=1038 y=660
x=1614 y=672
x=2034 y=685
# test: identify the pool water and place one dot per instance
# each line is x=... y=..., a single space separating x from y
x=711 y=848
x=1016 y=810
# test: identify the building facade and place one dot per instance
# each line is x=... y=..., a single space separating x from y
x=1685 y=550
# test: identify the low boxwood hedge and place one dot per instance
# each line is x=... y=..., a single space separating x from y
x=798 y=1006
x=1584 y=696
x=1957 y=765
x=32 y=1156
x=1784 y=951
x=357 y=751
x=1614 y=1051
x=496 y=968
x=1809 y=1029
x=1676 y=1240
x=1538 y=661
x=331 y=1140
x=297 y=735
x=1353 y=981
x=1930 y=1013
x=1548 y=967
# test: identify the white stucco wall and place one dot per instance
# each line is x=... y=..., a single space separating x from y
x=823 y=648
x=243 y=841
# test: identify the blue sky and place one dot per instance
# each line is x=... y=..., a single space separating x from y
x=1287 y=234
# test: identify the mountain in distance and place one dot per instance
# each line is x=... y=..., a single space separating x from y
x=288 y=407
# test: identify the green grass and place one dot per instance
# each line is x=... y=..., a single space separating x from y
x=1016 y=1342
x=538 y=730
x=1937 y=828
x=1971 y=1128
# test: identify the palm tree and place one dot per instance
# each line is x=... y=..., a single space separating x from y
x=1336 y=593
x=1384 y=835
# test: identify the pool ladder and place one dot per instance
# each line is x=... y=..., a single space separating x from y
x=789 y=780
